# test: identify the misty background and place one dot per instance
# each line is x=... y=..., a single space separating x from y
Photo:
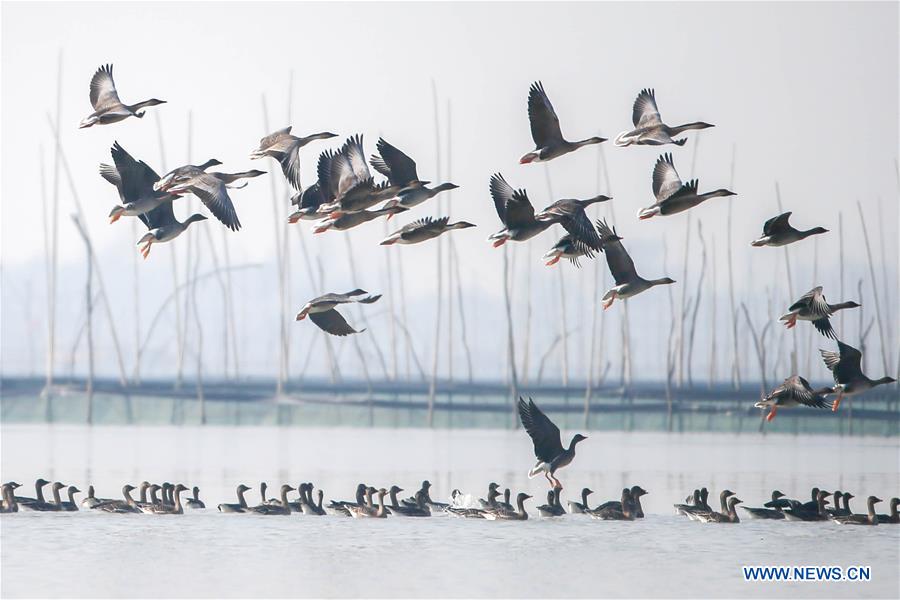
x=803 y=95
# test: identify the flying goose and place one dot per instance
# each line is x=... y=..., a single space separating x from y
x=515 y=212
x=322 y=311
x=812 y=306
x=400 y=170
x=570 y=214
x=105 y=100
x=135 y=182
x=285 y=148
x=423 y=230
x=353 y=219
x=183 y=173
x=548 y=446
x=649 y=130
x=568 y=247
x=795 y=391
x=673 y=196
x=628 y=282
x=778 y=232
x=845 y=366
x=212 y=189
x=322 y=192
x=352 y=185
x=163 y=226
x=548 y=140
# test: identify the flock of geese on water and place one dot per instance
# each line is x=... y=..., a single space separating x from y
x=346 y=193
x=165 y=499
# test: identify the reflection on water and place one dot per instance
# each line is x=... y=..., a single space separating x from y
x=216 y=555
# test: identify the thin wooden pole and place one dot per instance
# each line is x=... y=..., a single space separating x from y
x=450 y=269
x=409 y=349
x=136 y=301
x=712 y=336
x=199 y=375
x=462 y=314
x=438 y=272
x=841 y=261
x=510 y=342
x=188 y=254
x=526 y=359
x=562 y=299
x=589 y=388
x=89 y=307
x=391 y=308
x=884 y=346
x=54 y=261
x=48 y=272
x=884 y=279
x=696 y=305
x=787 y=265
x=362 y=315
x=735 y=352
x=809 y=330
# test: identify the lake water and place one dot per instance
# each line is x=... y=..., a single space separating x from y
x=207 y=554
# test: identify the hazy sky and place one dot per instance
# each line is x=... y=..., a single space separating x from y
x=804 y=94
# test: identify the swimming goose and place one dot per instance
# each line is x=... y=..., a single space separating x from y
x=44 y=506
x=183 y=173
x=308 y=506
x=778 y=232
x=339 y=507
x=368 y=510
x=621 y=510
x=694 y=513
x=352 y=219
x=282 y=508
x=503 y=514
x=812 y=306
x=285 y=148
x=848 y=375
x=163 y=508
x=404 y=510
x=135 y=183
x=673 y=196
x=553 y=508
x=400 y=170
x=548 y=447
x=241 y=506
x=867 y=519
x=570 y=214
x=568 y=247
x=505 y=503
x=91 y=501
x=813 y=504
x=799 y=512
x=516 y=213
x=894 y=517
x=127 y=505
x=795 y=391
x=492 y=495
x=163 y=226
x=9 y=499
x=580 y=507
x=423 y=230
x=71 y=505
x=779 y=500
x=649 y=130
x=105 y=100
x=621 y=266
x=353 y=186
x=195 y=501
x=212 y=190
x=548 y=139
x=322 y=311
x=767 y=513
x=730 y=516
x=426 y=497
x=694 y=500
x=39 y=484
x=839 y=510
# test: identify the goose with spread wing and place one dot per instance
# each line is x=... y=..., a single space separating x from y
x=628 y=282
x=183 y=173
x=212 y=189
x=105 y=100
x=845 y=365
x=400 y=171
x=673 y=196
x=322 y=192
x=568 y=247
x=353 y=185
x=777 y=231
x=649 y=130
x=350 y=220
x=795 y=391
x=135 y=182
x=572 y=216
x=285 y=148
x=516 y=213
x=163 y=226
x=322 y=311
x=423 y=230
x=812 y=306
x=548 y=447
x=548 y=139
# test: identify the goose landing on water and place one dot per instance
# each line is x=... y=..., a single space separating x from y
x=105 y=100
x=548 y=139
x=673 y=196
x=649 y=130
x=548 y=446
x=322 y=311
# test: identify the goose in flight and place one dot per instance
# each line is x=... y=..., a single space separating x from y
x=135 y=183
x=350 y=220
x=351 y=183
x=285 y=148
x=570 y=214
x=423 y=230
x=568 y=247
x=845 y=366
x=516 y=213
x=778 y=232
x=548 y=139
x=322 y=311
x=322 y=192
x=183 y=173
x=812 y=306
x=795 y=391
x=673 y=196
x=212 y=189
x=400 y=171
x=163 y=226
x=105 y=100
x=548 y=447
x=628 y=282
x=649 y=130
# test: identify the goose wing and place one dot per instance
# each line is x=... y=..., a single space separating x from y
x=814 y=302
x=311 y=197
x=161 y=216
x=136 y=177
x=544 y=434
x=212 y=192
x=577 y=223
x=844 y=364
x=644 y=113
x=620 y=264
x=427 y=223
x=502 y=194
x=110 y=174
x=353 y=150
x=290 y=166
x=777 y=224
x=798 y=389
x=327 y=185
x=399 y=168
x=103 y=89
x=666 y=181
x=544 y=122
x=331 y=321
x=269 y=142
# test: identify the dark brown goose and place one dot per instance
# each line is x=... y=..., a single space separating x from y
x=353 y=219
x=548 y=139
x=628 y=282
x=795 y=391
x=400 y=170
x=163 y=226
x=673 y=196
x=812 y=306
x=847 y=370
x=322 y=311
x=516 y=213
x=571 y=215
x=136 y=183
x=548 y=447
x=778 y=232
x=423 y=230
